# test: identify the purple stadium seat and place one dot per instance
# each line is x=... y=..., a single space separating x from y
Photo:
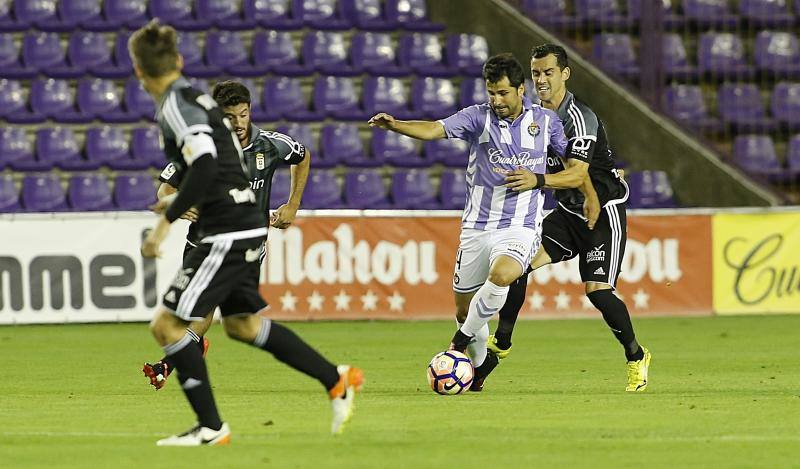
x=396 y=150
x=301 y=133
x=650 y=189
x=12 y=98
x=385 y=94
x=194 y=64
x=549 y=12
x=793 y=157
x=276 y=50
x=134 y=191
x=14 y=146
x=281 y=188
x=322 y=191
x=284 y=98
x=473 y=91
x=225 y=14
x=89 y=192
x=341 y=144
x=411 y=15
x=434 y=97
x=200 y=84
x=327 y=53
x=422 y=52
x=43 y=193
x=452 y=152
x=467 y=52
x=89 y=51
x=337 y=97
x=55 y=146
x=755 y=154
x=11 y=65
x=9 y=197
x=86 y=13
x=785 y=104
x=43 y=14
x=138 y=104
x=107 y=145
x=55 y=100
x=766 y=13
x=177 y=13
x=320 y=14
x=366 y=15
x=145 y=147
x=669 y=18
x=121 y=65
x=453 y=189
x=705 y=13
x=675 y=59
x=741 y=105
x=8 y=22
x=602 y=13
x=100 y=99
x=226 y=50
x=615 y=53
x=272 y=14
x=685 y=103
x=375 y=54
x=723 y=55
x=42 y=51
x=364 y=189
x=132 y=13
x=412 y=189
x=778 y=53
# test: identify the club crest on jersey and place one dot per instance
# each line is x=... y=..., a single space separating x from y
x=260 y=163
x=533 y=129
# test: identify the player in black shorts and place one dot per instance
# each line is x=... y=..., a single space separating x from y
x=221 y=270
x=263 y=153
x=575 y=228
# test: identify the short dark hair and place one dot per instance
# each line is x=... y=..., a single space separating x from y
x=154 y=49
x=504 y=65
x=230 y=93
x=544 y=50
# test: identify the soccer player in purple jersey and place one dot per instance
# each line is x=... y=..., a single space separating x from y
x=500 y=226
x=566 y=233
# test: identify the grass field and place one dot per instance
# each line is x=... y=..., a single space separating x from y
x=723 y=392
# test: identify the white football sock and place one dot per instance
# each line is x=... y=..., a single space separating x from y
x=477 y=347
x=487 y=301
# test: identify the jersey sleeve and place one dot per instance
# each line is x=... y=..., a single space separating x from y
x=171 y=175
x=465 y=123
x=187 y=116
x=581 y=145
x=558 y=140
x=290 y=151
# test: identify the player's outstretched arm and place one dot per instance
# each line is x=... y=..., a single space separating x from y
x=422 y=130
x=284 y=216
x=166 y=190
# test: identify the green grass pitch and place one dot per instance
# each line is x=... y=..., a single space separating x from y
x=723 y=392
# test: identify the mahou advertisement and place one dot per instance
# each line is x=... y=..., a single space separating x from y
x=402 y=268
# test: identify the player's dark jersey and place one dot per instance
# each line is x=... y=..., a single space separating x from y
x=228 y=204
x=266 y=151
x=588 y=142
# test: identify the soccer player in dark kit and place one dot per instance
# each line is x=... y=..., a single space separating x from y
x=573 y=228
x=222 y=269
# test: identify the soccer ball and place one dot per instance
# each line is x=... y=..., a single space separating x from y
x=450 y=372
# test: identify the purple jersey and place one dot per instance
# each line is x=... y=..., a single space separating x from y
x=497 y=147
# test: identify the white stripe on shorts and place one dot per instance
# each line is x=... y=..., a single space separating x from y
x=205 y=273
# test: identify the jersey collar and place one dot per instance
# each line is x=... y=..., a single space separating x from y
x=254 y=131
x=568 y=98
x=180 y=82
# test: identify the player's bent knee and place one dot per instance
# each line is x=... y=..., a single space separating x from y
x=242 y=327
x=592 y=287
x=166 y=328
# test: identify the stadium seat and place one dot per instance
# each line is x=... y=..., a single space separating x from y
x=741 y=105
x=453 y=189
x=785 y=105
x=708 y=13
x=320 y=14
x=723 y=55
x=327 y=53
x=433 y=97
x=134 y=191
x=108 y=145
x=272 y=14
x=14 y=146
x=86 y=13
x=777 y=53
x=411 y=15
x=337 y=98
x=11 y=65
x=145 y=147
x=422 y=52
x=412 y=189
x=756 y=155
x=43 y=193
x=366 y=15
x=365 y=189
x=650 y=189
x=614 y=52
x=132 y=13
x=89 y=192
x=766 y=13
x=100 y=99
x=41 y=14
x=386 y=94
x=341 y=144
x=686 y=104
x=225 y=50
x=467 y=53
x=12 y=98
x=284 y=98
x=138 y=103
x=177 y=13
x=793 y=158
x=88 y=49
x=9 y=197
x=669 y=18
x=121 y=65
x=200 y=84
x=603 y=14
x=58 y=146
x=396 y=149
x=280 y=189
x=42 y=51
x=302 y=133
x=552 y=13
x=225 y=14
x=55 y=99
x=194 y=64
x=675 y=59
x=452 y=152
x=374 y=53
x=8 y=22
x=472 y=91
x=276 y=50
x=322 y=191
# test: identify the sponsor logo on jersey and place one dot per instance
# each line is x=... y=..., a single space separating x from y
x=522 y=159
x=533 y=129
x=260 y=162
x=596 y=254
x=599 y=271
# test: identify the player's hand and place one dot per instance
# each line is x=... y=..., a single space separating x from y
x=152 y=242
x=283 y=217
x=591 y=210
x=521 y=180
x=163 y=203
x=191 y=214
x=382 y=121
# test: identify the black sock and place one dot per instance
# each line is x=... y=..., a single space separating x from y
x=618 y=319
x=510 y=311
x=197 y=339
x=461 y=341
x=489 y=364
x=287 y=347
x=193 y=376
